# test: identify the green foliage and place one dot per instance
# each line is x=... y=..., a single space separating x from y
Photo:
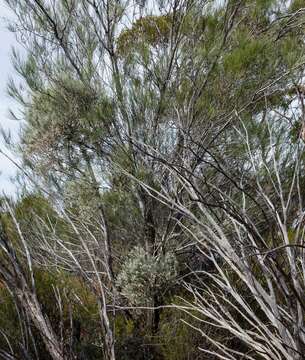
x=9 y=321
x=176 y=334
x=297 y=5
x=77 y=303
x=250 y=53
x=64 y=118
x=151 y=30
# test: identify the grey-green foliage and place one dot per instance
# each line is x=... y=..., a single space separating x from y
x=86 y=203
x=157 y=100
x=143 y=274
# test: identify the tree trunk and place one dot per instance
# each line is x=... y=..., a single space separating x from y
x=42 y=323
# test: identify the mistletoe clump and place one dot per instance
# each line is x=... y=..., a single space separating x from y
x=143 y=275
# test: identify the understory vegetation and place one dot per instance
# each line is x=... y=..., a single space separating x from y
x=160 y=212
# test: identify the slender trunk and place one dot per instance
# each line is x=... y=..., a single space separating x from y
x=156 y=314
x=108 y=341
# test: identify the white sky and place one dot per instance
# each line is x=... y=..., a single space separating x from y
x=7 y=40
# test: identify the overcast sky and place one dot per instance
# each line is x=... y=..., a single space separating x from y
x=7 y=40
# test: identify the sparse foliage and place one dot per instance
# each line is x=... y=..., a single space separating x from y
x=162 y=144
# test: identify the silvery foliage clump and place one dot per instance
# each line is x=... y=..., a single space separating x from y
x=143 y=275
